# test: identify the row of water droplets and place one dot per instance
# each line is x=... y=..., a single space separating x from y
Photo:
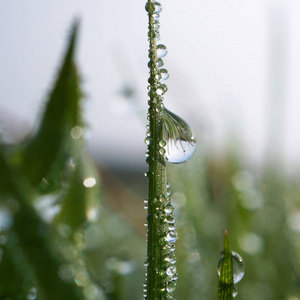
x=238 y=267
x=181 y=145
x=167 y=237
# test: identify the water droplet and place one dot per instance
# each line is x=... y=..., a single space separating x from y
x=171 y=285
x=89 y=182
x=163 y=143
x=158 y=7
x=237 y=265
x=150 y=7
x=181 y=143
x=171 y=271
x=171 y=236
x=32 y=293
x=162 y=151
x=147 y=141
x=161 y=50
x=160 y=62
x=76 y=132
x=164 y=74
x=235 y=292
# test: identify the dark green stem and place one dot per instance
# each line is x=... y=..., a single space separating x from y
x=157 y=198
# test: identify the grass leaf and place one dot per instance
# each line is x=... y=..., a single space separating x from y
x=226 y=285
x=53 y=141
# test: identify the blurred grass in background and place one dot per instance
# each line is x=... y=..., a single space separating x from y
x=66 y=234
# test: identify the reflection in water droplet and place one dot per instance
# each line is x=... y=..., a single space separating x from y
x=161 y=50
x=237 y=265
x=76 y=132
x=89 y=182
x=181 y=143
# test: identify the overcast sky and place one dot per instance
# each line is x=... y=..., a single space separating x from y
x=228 y=61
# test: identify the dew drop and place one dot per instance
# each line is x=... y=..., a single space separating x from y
x=160 y=62
x=171 y=271
x=181 y=143
x=161 y=50
x=171 y=285
x=76 y=132
x=237 y=265
x=150 y=7
x=171 y=236
x=158 y=7
x=162 y=143
x=235 y=292
x=164 y=74
x=147 y=141
x=162 y=151
x=89 y=182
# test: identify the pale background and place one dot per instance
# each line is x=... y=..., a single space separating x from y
x=234 y=66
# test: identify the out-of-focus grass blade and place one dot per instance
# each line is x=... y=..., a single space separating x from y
x=62 y=113
x=82 y=200
x=33 y=236
x=225 y=288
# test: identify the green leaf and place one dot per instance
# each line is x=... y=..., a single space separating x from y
x=33 y=236
x=225 y=270
x=81 y=203
x=52 y=144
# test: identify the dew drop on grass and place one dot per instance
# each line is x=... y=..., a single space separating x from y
x=164 y=74
x=171 y=285
x=160 y=62
x=235 y=292
x=180 y=140
x=171 y=236
x=237 y=265
x=158 y=7
x=171 y=271
x=150 y=7
x=161 y=50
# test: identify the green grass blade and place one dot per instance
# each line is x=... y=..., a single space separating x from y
x=33 y=236
x=53 y=139
x=82 y=200
x=225 y=288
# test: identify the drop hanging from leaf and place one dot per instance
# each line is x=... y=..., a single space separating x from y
x=179 y=143
x=238 y=266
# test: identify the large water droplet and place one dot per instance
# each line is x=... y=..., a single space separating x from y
x=181 y=143
x=160 y=62
x=161 y=50
x=237 y=265
x=158 y=7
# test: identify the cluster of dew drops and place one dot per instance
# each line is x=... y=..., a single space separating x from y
x=238 y=266
x=168 y=149
x=174 y=149
x=168 y=237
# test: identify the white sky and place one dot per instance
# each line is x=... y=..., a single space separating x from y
x=219 y=59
